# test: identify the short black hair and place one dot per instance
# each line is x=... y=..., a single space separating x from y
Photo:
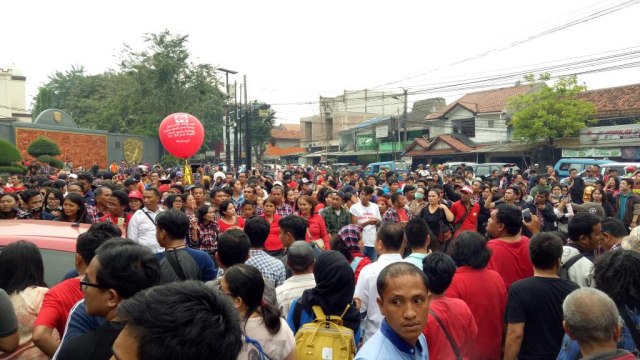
x=511 y=217
x=470 y=249
x=173 y=222
x=391 y=235
x=123 y=197
x=257 y=229
x=294 y=224
x=155 y=191
x=89 y=241
x=418 y=233
x=614 y=226
x=107 y=227
x=233 y=247
x=169 y=321
x=439 y=269
x=85 y=176
x=582 y=224
x=367 y=190
x=26 y=195
x=545 y=249
x=398 y=269
x=126 y=267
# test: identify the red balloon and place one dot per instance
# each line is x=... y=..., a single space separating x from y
x=181 y=134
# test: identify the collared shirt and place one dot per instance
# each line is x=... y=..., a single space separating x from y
x=292 y=288
x=89 y=198
x=367 y=291
x=416 y=259
x=142 y=229
x=284 y=210
x=335 y=221
x=237 y=202
x=386 y=344
x=270 y=267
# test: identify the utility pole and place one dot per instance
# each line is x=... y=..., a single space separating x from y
x=227 y=122
x=236 y=154
x=248 y=127
x=404 y=116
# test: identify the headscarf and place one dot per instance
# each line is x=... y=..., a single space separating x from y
x=334 y=289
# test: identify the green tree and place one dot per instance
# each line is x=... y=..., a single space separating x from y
x=148 y=85
x=10 y=158
x=45 y=150
x=260 y=128
x=547 y=113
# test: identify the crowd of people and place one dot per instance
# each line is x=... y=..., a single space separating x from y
x=434 y=263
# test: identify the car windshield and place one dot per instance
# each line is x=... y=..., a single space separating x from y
x=401 y=165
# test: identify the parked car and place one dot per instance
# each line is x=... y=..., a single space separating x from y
x=484 y=170
x=619 y=167
x=563 y=166
x=56 y=241
x=399 y=167
x=338 y=167
x=452 y=166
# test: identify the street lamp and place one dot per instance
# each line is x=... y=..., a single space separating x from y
x=227 y=141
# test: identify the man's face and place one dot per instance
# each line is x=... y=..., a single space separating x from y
x=35 y=202
x=198 y=194
x=336 y=201
x=365 y=198
x=459 y=182
x=104 y=197
x=476 y=187
x=14 y=180
x=229 y=178
x=86 y=186
x=115 y=207
x=242 y=177
x=277 y=196
x=405 y=304
x=154 y=177
x=248 y=193
x=97 y=301
x=150 y=199
x=624 y=186
x=219 y=198
x=371 y=181
x=594 y=239
x=509 y=195
x=540 y=198
x=394 y=187
x=573 y=174
x=286 y=238
x=494 y=227
x=126 y=345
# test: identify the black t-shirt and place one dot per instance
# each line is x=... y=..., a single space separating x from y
x=94 y=345
x=537 y=301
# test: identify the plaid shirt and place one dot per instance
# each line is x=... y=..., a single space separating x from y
x=285 y=210
x=333 y=221
x=207 y=238
x=270 y=267
x=391 y=215
x=350 y=234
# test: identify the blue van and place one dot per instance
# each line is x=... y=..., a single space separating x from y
x=400 y=167
x=564 y=165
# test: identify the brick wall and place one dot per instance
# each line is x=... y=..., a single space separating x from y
x=81 y=149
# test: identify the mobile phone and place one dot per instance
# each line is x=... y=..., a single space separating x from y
x=526 y=215
x=120 y=221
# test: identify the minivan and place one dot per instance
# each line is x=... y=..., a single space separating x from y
x=399 y=167
x=563 y=166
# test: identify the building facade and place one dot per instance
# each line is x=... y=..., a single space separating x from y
x=13 y=96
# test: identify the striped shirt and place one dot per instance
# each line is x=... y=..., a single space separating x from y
x=292 y=289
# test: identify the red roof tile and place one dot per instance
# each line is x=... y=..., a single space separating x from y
x=280 y=133
x=277 y=151
x=621 y=99
x=454 y=143
x=422 y=142
x=494 y=100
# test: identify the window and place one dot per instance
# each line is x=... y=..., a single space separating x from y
x=490 y=123
x=465 y=127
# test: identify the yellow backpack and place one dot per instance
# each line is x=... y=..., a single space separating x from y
x=325 y=338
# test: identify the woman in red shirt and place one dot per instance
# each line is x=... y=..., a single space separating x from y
x=273 y=245
x=229 y=220
x=317 y=230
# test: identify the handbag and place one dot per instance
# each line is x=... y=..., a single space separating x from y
x=445 y=230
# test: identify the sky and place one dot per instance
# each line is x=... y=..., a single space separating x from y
x=293 y=52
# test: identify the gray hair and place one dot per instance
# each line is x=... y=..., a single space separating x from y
x=590 y=315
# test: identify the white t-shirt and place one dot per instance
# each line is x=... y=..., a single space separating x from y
x=364 y=213
x=277 y=346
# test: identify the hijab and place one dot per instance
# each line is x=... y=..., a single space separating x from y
x=334 y=289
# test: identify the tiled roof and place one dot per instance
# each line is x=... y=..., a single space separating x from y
x=454 y=143
x=458 y=143
x=621 y=99
x=494 y=100
x=284 y=131
x=422 y=142
x=277 y=151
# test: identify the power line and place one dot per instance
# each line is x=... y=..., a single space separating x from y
x=572 y=23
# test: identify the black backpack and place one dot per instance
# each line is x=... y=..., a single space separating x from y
x=563 y=272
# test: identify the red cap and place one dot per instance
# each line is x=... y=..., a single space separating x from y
x=163 y=188
x=135 y=194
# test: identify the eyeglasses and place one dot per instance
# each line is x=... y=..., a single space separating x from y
x=84 y=284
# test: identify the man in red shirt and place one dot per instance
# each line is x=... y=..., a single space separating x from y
x=447 y=315
x=465 y=211
x=59 y=300
x=118 y=202
x=16 y=184
x=509 y=248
